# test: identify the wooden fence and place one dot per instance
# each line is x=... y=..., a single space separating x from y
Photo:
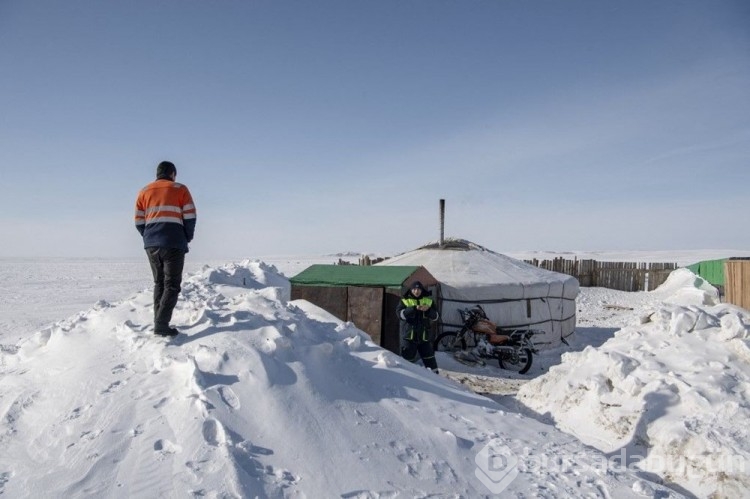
x=623 y=276
x=737 y=282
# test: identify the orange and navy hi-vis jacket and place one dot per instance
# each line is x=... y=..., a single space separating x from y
x=165 y=215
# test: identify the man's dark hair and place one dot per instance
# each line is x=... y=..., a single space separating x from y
x=165 y=170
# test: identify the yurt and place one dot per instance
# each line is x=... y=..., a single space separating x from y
x=513 y=293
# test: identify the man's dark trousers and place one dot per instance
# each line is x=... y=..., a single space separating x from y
x=409 y=349
x=166 y=266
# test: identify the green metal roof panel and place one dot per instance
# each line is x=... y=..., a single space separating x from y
x=354 y=275
x=710 y=270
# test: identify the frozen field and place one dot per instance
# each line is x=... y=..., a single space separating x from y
x=650 y=399
x=37 y=292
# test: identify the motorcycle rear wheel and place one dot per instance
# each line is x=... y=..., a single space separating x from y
x=520 y=364
x=446 y=342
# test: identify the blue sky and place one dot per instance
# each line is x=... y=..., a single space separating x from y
x=316 y=127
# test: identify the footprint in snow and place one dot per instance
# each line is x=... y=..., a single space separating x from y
x=164 y=446
x=463 y=443
x=281 y=477
x=229 y=397
x=76 y=413
x=406 y=454
x=90 y=435
x=366 y=418
x=113 y=387
x=9 y=349
x=134 y=327
x=119 y=368
x=213 y=432
x=4 y=478
x=161 y=403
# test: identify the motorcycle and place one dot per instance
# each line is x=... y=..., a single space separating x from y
x=479 y=338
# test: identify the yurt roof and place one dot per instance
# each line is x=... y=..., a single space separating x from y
x=459 y=263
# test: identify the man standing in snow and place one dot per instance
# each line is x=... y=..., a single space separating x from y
x=415 y=311
x=165 y=217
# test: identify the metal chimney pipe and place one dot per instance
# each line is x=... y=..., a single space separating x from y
x=442 y=222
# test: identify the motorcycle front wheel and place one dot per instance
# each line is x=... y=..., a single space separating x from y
x=519 y=362
x=446 y=342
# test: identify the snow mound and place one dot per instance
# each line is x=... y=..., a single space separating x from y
x=669 y=397
x=684 y=287
x=252 y=274
x=262 y=397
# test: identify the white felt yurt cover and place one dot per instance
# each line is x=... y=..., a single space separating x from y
x=512 y=292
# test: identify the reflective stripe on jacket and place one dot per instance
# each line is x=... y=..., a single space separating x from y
x=414 y=302
x=165 y=215
x=416 y=326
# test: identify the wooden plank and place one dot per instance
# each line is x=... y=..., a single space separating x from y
x=331 y=299
x=737 y=282
x=365 y=310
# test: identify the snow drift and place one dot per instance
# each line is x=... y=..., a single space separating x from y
x=670 y=396
x=261 y=398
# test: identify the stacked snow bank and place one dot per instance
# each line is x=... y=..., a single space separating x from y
x=682 y=287
x=262 y=398
x=246 y=274
x=670 y=396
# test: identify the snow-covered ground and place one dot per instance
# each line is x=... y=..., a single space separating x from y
x=37 y=292
x=264 y=397
x=669 y=393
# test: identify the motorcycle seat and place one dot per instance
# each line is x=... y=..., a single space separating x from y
x=498 y=339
